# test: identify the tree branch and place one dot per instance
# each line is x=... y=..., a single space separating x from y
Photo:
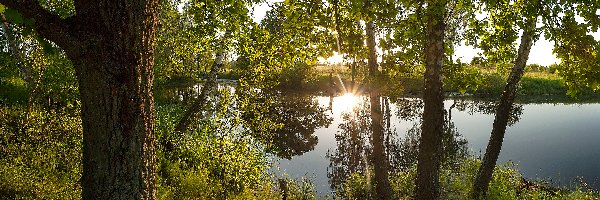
x=50 y=26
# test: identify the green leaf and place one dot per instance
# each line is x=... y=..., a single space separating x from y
x=47 y=47
x=13 y=16
x=2 y=9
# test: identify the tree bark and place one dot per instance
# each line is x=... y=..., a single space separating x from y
x=382 y=183
x=111 y=45
x=492 y=152
x=371 y=45
x=428 y=164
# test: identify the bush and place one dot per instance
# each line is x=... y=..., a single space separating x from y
x=41 y=160
x=493 y=85
x=456 y=183
x=296 y=76
x=215 y=160
x=541 y=86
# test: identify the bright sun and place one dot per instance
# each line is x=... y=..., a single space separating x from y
x=335 y=59
x=347 y=101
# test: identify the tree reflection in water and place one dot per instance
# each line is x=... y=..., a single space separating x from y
x=350 y=156
x=358 y=140
x=295 y=116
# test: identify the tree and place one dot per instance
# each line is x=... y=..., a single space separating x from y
x=295 y=118
x=484 y=174
x=428 y=164
x=380 y=158
x=111 y=45
x=496 y=35
x=574 y=44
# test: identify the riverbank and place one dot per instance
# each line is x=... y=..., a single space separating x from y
x=41 y=160
x=56 y=134
x=456 y=182
x=533 y=87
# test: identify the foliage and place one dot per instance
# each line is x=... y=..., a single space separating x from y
x=188 y=39
x=540 y=86
x=290 y=36
x=574 y=45
x=507 y=183
x=14 y=88
x=43 y=159
x=535 y=68
x=214 y=159
x=302 y=189
x=296 y=77
x=58 y=85
x=462 y=78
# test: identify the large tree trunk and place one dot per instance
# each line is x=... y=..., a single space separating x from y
x=115 y=74
x=382 y=183
x=428 y=164
x=492 y=152
x=118 y=140
x=111 y=45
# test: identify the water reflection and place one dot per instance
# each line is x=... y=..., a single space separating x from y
x=331 y=137
x=295 y=119
x=350 y=156
x=488 y=108
x=366 y=140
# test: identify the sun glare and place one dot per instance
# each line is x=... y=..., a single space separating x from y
x=335 y=59
x=347 y=101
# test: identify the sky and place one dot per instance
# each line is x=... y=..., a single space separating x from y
x=541 y=52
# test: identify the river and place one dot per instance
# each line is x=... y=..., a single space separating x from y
x=549 y=141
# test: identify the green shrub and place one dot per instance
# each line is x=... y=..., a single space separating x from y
x=41 y=160
x=456 y=183
x=493 y=85
x=541 y=86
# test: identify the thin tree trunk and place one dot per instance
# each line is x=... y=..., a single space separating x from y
x=353 y=68
x=31 y=96
x=211 y=83
x=14 y=47
x=430 y=145
x=492 y=152
x=23 y=65
x=382 y=183
x=371 y=45
x=336 y=27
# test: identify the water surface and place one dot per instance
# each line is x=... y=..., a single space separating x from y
x=555 y=141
